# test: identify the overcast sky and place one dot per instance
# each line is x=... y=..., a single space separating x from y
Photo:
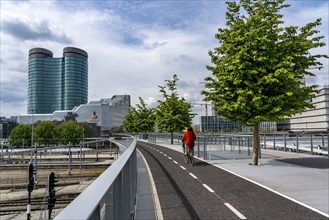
x=133 y=46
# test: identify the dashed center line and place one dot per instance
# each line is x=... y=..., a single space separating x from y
x=193 y=176
x=208 y=188
x=235 y=211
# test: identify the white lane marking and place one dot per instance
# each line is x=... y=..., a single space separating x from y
x=208 y=188
x=193 y=176
x=161 y=152
x=169 y=158
x=175 y=161
x=235 y=211
x=165 y=155
x=276 y=192
x=183 y=167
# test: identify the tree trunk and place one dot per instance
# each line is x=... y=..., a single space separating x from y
x=171 y=137
x=256 y=144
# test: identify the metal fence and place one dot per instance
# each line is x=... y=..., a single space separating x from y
x=113 y=194
x=234 y=146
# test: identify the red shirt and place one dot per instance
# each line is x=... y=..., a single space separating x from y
x=189 y=138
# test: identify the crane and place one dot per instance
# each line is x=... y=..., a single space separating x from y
x=201 y=103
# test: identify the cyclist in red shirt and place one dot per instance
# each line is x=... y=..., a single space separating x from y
x=189 y=139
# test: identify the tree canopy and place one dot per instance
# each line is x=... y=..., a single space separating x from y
x=259 y=69
x=173 y=114
x=70 y=132
x=21 y=135
x=140 y=119
x=44 y=133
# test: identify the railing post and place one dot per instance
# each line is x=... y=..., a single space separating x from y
x=198 y=139
x=327 y=145
x=274 y=147
x=249 y=143
x=117 y=197
x=224 y=143
x=109 y=205
x=311 y=144
x=204 y=147
x=125 y=214
x=133 y=185
x=264 y=141
x=285 y=142
x=239 y=144
x=234 y=143
x=96 y=214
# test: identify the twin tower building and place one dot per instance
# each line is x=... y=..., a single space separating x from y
x=57 y=83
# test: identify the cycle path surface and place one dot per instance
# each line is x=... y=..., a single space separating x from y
x=206 y=192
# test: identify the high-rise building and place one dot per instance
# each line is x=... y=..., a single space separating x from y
x=57 y=83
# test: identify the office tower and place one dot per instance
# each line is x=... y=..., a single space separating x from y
x=57 y=83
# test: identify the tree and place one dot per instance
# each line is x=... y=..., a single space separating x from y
x=70 y=132
x=174 y=113
x=71 y=116
x=21 y=135
x=260 y=66
x=146 y=116
x=140 y=119
x=45 y=133
x=130 y=123
x=90 y=130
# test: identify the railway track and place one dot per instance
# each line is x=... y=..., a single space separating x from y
x=37 y=204
x=50 y=166
x=14 y=180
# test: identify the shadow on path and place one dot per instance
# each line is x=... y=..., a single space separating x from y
x=311 y=162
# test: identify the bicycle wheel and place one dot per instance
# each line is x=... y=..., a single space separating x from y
x=186 y=159
x=191 y=161
x=190 y=157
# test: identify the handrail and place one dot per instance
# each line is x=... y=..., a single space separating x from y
x=112 y=195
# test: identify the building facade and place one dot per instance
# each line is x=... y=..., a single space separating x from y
x=312 y=120
x=6 y=125
x=57 y=83
x=107 y=113
x=218 y=124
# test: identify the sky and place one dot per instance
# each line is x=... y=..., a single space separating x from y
x=132 y=46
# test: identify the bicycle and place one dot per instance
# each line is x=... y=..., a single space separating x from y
x=188 y=157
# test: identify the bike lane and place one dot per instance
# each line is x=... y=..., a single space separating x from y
x=207 y=192
x=181 y=195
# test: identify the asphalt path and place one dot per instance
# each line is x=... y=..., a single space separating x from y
x=208 y=192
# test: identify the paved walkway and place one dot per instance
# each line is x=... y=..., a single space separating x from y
x=299 y=177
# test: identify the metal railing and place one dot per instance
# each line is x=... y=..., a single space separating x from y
x=113 y=194
x=235 y=146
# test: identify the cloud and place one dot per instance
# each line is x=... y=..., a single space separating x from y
x=133 y=46
x=154 y=45
x=39 y=31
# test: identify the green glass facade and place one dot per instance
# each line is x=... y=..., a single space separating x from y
x=57 y=83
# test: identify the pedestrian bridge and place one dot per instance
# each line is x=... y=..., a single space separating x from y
x=177 y=191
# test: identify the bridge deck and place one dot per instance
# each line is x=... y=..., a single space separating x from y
x=289 y=182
